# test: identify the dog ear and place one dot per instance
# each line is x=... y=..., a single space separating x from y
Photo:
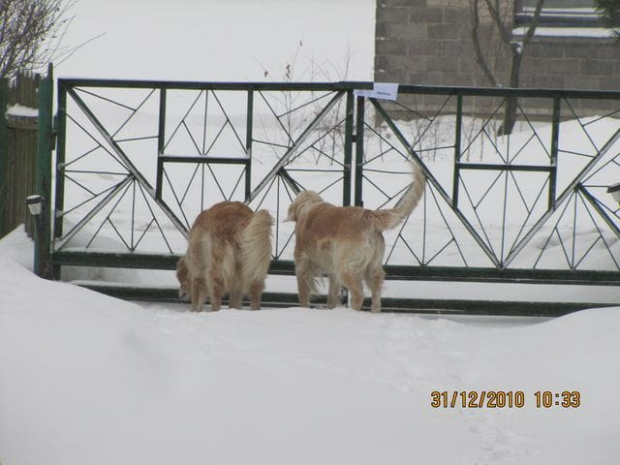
x=292 y=213
x=291 y=216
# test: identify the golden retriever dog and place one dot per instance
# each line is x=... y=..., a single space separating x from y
x=228 y=252
x=345 y=243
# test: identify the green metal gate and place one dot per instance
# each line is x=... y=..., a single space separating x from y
x=137 y=160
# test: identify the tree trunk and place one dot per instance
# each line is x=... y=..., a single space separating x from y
x=512 y=103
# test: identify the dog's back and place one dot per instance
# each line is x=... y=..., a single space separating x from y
x=346 y=243
x=229 y=251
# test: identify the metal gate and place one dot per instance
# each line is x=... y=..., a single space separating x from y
x=136 y=161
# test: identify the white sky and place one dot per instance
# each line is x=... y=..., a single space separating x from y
x=210 y=40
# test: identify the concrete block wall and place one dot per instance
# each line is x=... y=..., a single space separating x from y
x=428 y=42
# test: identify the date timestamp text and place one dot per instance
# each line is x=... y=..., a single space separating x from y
x=504 y=399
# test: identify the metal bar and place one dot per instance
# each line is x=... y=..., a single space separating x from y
x=116 y=259
x=596 y=205
x=161 y=144
x=389 y=305
x=61 y=242
x=555 y=135
x=430 y=178
x=183 y=124
x=249 y=138
x=347 y=171
x=61 y=145
x=127 y=162
x=159 y=186
x=610 y=223
x=291 y=151
x=354 y=133
x=290 y=181
x=507 y=167
x=129 y=166
x=510 y=275
x=161 y=135
x=344 y=86
x=4 y=157
x=562 y=198
x=217 y=85
x=393 y=272
x=204 y=159
x=205 y=125
x=43 y=182
x=359 y=151
x=457 y=151
x=108 y=219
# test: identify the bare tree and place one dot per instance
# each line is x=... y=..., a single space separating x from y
x=610 y=12
x=31 y=33
x=502 y=21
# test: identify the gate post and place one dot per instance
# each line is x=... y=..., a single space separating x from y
x=4 y=104
x=555 y=135
x=348 y=149
x=43 y=185
x=359 y=151
x=249 y=137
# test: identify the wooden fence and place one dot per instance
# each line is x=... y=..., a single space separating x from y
x=19 y=104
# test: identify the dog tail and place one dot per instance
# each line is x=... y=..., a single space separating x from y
x=256 y=246
x=390 y=218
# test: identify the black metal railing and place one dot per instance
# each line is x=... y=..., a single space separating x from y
x=137 y=160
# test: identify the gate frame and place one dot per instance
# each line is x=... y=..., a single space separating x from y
x=354 y=135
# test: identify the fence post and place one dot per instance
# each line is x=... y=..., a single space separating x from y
x=249 y=137
x=555 y=135
x=359 y=151
x=348 y=150
x=457 y=151
x=4 y=153
x=19 y=146
x=43 y=185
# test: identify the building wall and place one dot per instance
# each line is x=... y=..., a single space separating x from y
x=429 y=42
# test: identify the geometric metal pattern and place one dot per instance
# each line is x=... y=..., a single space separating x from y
x=137 y=161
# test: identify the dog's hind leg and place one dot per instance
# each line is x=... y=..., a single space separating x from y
x=354 y=284
x=256 y=289
x=216 y=289
x=374 y=280
x=235 y=298
x=199 y=293
x=333 y=297
x=304 y=281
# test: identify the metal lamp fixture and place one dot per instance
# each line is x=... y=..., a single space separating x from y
x=35 y=204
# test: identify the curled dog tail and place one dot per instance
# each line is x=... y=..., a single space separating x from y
x=390 y=218
x=256 y=246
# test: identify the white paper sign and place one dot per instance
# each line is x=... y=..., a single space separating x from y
x=381 y=90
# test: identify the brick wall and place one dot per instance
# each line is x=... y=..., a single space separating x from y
x=429 y=42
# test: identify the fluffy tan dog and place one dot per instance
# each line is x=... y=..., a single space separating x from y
x=345 y=243
x=228 y=252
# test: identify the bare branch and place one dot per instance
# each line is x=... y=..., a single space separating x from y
x=504 y=33
x=31 y=33
x=533 y=24
x=480 y=59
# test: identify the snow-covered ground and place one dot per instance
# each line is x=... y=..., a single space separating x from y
x=88 y=379
x=85 y=378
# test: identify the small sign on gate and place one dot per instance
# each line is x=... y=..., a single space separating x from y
x=380 y=90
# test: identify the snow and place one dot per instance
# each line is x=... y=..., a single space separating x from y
x=590 y=32
x=85 y=378
x=89 y=379
x=23 y=111
x=212 y=40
